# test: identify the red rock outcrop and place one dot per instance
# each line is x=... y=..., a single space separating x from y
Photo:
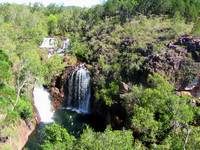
x=20 y=135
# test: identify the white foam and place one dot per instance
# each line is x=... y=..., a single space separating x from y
x=43 y=105
x=79 y=111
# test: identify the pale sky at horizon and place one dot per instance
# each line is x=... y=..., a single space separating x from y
x=81 y=3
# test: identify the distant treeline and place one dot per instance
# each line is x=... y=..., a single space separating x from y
x=187 y=8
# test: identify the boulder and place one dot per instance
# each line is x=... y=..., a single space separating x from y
x=192 y=45
x=124 y=88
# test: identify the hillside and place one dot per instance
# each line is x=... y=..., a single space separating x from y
x=142 y=56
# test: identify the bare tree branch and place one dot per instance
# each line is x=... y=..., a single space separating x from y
x=187 y=137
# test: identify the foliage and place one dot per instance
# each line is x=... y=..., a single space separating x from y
x=196 y=28
x=123 y=49
x=5 y=67
x=187 y=8
x=188 y=72
x=176 y=139
x=108 y=140
x=125 y=8
x=7 y=97
x=52 y=67
x=158 y=111
x=80 y=50
x=107 y=93
x=52 y=24
x=24 y=108
x=116 y=38
x=56 y=137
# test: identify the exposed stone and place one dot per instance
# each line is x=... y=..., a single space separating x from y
x=3 y=139
x=57 y=96
x=124 y=88
x=192 y=45
x=166 y=63
x=169 y=61
x=194 y=88
x=20 y=135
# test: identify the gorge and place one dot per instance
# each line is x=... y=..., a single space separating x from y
x=73 y=115
x=128 y=79
x=78 y=89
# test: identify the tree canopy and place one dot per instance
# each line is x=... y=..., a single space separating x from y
x=126 y=42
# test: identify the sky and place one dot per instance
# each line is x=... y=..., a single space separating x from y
x=81 y=3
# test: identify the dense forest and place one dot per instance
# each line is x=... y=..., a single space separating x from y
x=133 y=43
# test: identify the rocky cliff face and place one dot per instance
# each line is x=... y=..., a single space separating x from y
x=57 y=87
x=166 y=63
x=19 y=136
x=192 y=45
x=179 y=54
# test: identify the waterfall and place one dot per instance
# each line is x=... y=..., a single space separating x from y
x=79 y=90
x=42 y=103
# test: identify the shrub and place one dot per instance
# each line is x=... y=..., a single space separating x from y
x=56 y=138
x=196 y=28
x=25 y=109
x=108 y=140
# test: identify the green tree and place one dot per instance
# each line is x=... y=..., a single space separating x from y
x=125 y=9
x=26 y=69
x=52 y=24
x=187 y=8
x=80 y=50
x=5 y=67
x=157 y=111
x=107 y=140
x=53 y=9
x=56 y=138
x=52 y=67
x=196 y=28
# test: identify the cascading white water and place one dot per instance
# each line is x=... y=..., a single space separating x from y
x=42 y=103
x=79 y=90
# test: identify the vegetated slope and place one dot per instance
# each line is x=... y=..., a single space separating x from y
x=128 y=43
x=124 y=47
x=21 y=65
